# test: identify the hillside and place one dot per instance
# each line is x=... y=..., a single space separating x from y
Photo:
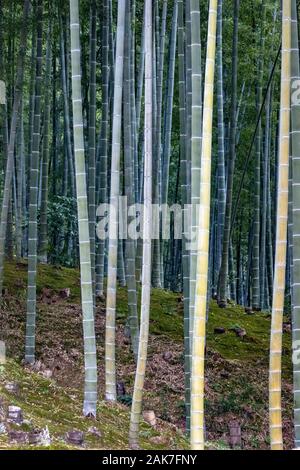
x=50 y=395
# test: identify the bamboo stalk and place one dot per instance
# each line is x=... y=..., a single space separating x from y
x=199 y=330
x=281 y=236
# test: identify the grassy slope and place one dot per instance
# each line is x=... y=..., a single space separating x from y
x=236 y=369
x=46 y=404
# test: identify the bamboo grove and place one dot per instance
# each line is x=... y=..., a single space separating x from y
x=167 y=107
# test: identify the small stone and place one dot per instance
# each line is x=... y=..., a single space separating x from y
x=167 y=356
x=13 y=388
x=75 y=438
x=34 y=437
x=159 y=440
x=150 y=418
x=65 y=293
x=47 y=373
x=2 y=429
x=249 y=311
x=240 y=332
x=219 y=330
x=39 y=437
x=27 y=422
x=45 y=439
x=15 y=414
x=235 y=434
x=95 y=432
x=18 y=436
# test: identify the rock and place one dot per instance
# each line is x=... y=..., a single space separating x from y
x=45 y=439
x=256 y=309
x=240 y=332
x=34 y=437
x=15 y=414
x=159 y=440
x=121 y=390
x=65 y=293
x=249 y=311
x=167 y=356
x=2 y=429
x=39 y=437
x=235 y=434
x=150 y=418
x=47 y=373
x=95 y=432
x=20 y=437
x=219 y=330
x=27 y=422
x=75 y=438
x=13 y=388
x=46 y=296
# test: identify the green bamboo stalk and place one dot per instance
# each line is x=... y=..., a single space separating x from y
x=129 y=150
x=12 y=138
x=45 y=158
x=199 y=330
x=196 y=142
x=67 y=124
x=147 y=231
x=221 y=132
x=295 y=196
x=156 y=255
x=103 y=157
x=33 y=197
x=275 y=414
x=256 y=278
x=90 y=353
x=110 y=364
x=223 y=276
x=169 y=108
x=185 y=200
x=92 y=139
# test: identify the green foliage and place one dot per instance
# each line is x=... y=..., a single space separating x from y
x=125 y=400
x=63 y=230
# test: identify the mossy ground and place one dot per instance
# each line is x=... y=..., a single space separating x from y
x=46 y=404
x=236 y=368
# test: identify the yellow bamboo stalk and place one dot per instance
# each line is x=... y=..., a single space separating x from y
x=197 y=378
x=275 y=418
